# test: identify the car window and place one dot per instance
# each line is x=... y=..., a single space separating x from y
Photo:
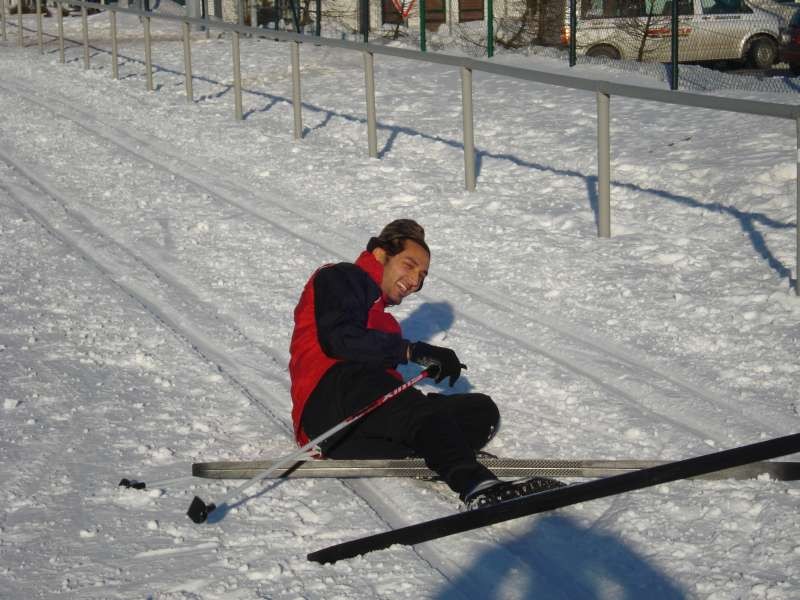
x=664 y=7
x=599 y=9
x=720 y=7
x=611 y=8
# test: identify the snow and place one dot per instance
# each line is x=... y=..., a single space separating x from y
x=152 y=252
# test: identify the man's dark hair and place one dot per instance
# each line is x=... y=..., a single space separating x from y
x=392 y=238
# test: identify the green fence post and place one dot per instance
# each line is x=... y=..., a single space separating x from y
x=422 y=45
x=573 y=26
x=364 y=19
x=674 y=50
x=490 y=28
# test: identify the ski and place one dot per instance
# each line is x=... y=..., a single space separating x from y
x=502 y=467
x=561 y=497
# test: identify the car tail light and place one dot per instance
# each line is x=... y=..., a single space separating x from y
x=791 y=35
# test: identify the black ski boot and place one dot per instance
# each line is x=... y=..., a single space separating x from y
x=496 y=491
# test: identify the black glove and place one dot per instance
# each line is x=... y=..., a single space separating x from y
x=440 y=362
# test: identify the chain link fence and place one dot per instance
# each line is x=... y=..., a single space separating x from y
x=745 y=31
x=738 y=34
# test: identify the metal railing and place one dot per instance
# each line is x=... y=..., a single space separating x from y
x=603 y=90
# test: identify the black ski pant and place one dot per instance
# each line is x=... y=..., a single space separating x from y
x=445 y=430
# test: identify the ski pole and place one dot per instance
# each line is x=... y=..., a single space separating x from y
x=199 y=510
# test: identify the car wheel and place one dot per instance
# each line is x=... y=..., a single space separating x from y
x=603 y=52
x=763 y=52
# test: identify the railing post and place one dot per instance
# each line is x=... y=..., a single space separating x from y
x=114 y=48
x=296 y=98
x=603 y=165
x=85 y=28
x=237 y=78
x=469 y=134
x=187 y=61
x=20 y=41
x=39 y=36
x=60 y=8
x=148 y=55
x=372 y=124
x=797 y=217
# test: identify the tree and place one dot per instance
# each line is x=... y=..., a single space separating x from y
x=28 y=6
x=524 y=23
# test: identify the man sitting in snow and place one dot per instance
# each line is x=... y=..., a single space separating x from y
x=344 y=352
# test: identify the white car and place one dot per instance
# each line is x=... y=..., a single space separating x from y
x=708 y=30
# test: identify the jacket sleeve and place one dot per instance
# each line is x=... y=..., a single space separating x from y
x=343 y=296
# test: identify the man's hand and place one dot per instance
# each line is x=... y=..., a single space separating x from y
x=443 y=360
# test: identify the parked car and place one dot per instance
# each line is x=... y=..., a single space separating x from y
x=789 y=50
x=708 y=30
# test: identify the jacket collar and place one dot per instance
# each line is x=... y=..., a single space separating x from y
x=369 y=264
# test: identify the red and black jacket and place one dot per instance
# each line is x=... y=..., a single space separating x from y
x=341 y=317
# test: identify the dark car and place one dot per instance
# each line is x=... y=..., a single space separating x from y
x=789 y=48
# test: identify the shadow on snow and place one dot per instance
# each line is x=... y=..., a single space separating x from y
x=558 y=558
x=747 y=220
x=427 y=324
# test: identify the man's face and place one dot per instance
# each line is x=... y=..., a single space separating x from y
x=403 y=273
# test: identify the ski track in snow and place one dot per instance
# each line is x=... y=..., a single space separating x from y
x=610 y=366
x=223 y=340
x=224 y=360
x=186 y=326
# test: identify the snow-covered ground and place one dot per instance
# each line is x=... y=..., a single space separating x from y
x=152 y=252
